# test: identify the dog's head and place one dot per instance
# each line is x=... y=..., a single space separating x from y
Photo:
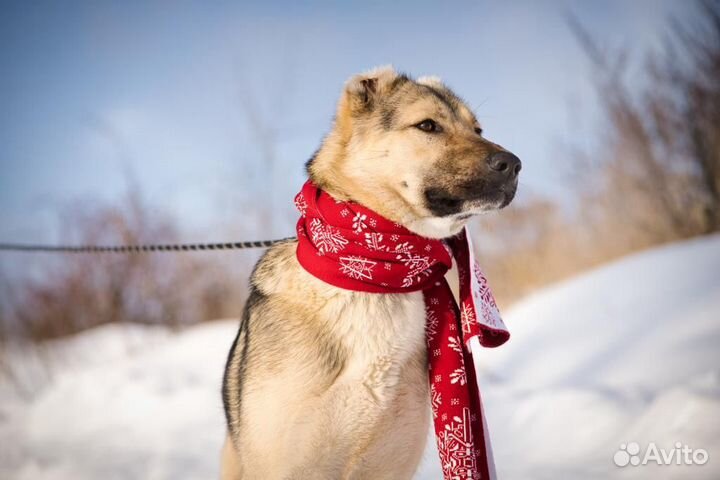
x=414 y=152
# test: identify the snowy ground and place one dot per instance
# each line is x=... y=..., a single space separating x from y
x=627 y=353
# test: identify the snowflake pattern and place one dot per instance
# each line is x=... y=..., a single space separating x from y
x=356 y=267
x=458 y=376
x=326 y=238
x=467 y=317
x=431 y=325
x=482 y=296
x=455 y=344
x=417 y=265
x=435 y=400
x=359 y=222
x=373 y=242
x=301 y=204
x=482 y=288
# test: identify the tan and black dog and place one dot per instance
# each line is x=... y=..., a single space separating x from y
x=326 y=383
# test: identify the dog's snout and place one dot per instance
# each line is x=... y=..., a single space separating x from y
x=505 y=163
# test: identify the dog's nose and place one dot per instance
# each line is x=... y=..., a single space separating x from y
x=505 y=163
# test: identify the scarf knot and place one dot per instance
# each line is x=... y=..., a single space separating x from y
x=352 y=247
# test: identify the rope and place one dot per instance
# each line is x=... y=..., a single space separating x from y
x=18 y=247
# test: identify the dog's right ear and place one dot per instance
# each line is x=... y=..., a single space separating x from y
x=362 y=91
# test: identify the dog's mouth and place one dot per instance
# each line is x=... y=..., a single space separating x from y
x=467 y=202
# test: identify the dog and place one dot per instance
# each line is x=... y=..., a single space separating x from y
x=327 y=383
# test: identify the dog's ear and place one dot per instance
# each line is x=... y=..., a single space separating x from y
x=361 y=95
x=363 y=91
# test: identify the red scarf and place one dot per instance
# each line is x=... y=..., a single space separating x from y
x=354 y=248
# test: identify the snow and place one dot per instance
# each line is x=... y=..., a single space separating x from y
x=625 y=353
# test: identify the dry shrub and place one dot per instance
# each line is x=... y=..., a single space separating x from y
x=657 y=178
x=74 y=292
x=515 y=245
x=654 y=179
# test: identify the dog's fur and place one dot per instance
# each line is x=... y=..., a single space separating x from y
x=325 y=383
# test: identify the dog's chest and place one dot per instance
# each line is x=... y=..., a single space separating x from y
x=384 y=336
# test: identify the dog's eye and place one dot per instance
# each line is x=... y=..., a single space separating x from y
x=478 y=130
x=429 y=126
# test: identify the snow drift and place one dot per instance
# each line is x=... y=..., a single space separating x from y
x=625 y=353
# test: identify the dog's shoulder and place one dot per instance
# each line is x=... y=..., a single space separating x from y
x=279 y=274
x=269 y=269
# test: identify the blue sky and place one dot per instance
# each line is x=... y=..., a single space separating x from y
x=166 y=90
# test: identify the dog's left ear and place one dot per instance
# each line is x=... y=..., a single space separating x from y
x=362 y=91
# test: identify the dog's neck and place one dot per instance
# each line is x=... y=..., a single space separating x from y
x=322 y=170
x=325 y=169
